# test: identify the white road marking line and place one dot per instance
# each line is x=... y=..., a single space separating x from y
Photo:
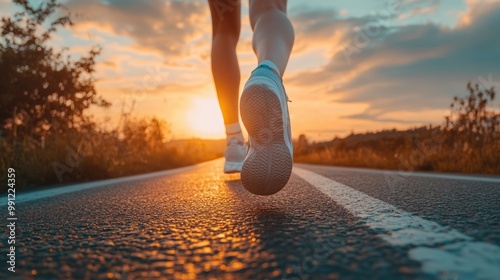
x=441 y=250
x=24 y=197
x=407 y=174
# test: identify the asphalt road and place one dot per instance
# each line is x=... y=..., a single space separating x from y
x=197 y=223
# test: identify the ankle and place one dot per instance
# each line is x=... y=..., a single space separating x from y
x=272 y=66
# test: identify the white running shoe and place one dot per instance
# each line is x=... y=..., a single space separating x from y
x=234 y=155
x=264 y=112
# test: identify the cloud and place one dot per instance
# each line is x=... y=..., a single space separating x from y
x=313 y=27
x=165 y=27
x=404 y=68
x=418 y=8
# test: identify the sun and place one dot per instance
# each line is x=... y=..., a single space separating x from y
x=205 y=119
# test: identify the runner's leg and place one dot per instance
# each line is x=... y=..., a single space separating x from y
x=264 y=103
x=226 y=25
x=273 y=35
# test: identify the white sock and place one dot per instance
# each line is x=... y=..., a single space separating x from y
x=233 y=130
x=271 y=65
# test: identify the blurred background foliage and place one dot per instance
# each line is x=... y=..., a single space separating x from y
x=46 y=132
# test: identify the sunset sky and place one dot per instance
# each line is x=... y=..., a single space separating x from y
x=356 y=65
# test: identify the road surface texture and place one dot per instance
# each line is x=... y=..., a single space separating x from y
x=197 y=223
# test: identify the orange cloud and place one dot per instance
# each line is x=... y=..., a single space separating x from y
x=155 y=26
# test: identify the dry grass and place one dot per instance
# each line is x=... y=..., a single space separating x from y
x=408 y=154
x=469 y=142
x=140 y=146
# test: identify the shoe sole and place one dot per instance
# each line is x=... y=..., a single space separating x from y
x=232 y=167
x=268 y=165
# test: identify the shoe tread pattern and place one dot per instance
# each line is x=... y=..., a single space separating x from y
x=268 y=165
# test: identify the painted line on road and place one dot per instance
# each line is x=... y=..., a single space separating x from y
x=24 y=197
x=409 y=173
x=441 y=250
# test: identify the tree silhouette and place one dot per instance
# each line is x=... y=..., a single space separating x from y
x=43 y=91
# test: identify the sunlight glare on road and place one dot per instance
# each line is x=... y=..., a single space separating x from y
x=205 y=119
